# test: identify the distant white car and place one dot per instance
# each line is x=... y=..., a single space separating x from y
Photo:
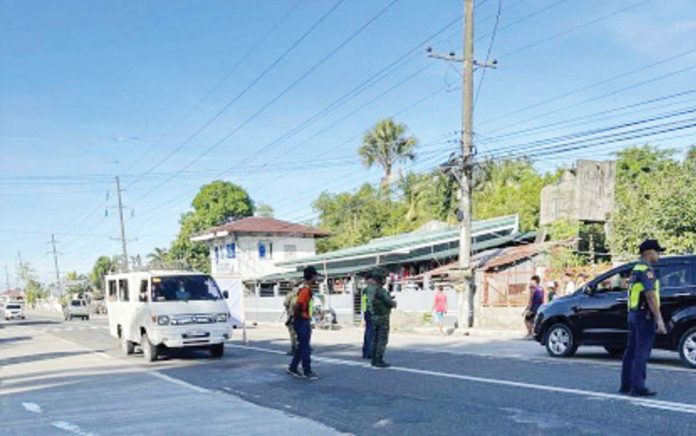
x=13 y=311
x=76 y=309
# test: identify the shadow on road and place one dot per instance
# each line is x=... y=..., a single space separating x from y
x=39 y=357
x=14 y=339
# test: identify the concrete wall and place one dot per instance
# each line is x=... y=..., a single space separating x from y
x=247 y=264
x=583 y=194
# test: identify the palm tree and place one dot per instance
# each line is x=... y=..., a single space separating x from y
x=387 y=145
x=157 y=257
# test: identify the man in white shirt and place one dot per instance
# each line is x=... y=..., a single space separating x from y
x=570 y=284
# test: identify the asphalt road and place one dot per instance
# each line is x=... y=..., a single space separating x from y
x=436 y=385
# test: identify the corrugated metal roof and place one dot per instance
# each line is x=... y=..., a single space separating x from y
x=506 y=225
x=258 y=224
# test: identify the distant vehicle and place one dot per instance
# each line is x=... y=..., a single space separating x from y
x=76 y=308
x=167 y=309
x=13 y=311
x=596 y=314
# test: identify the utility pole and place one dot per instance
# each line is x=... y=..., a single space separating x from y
x=464 y=170
x=7 y=278
x=123 y=225
x=55 y=263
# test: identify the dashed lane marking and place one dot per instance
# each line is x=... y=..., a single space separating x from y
x=655 y=404
x=32 y=407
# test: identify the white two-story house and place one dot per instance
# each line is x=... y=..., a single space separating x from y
x=250 y=248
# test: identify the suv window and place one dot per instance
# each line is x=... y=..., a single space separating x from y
x=673 y=275
x=616 y=282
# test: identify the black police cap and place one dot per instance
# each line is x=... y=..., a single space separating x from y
x=650 y=244
x=310 y=272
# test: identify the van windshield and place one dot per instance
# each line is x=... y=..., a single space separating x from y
x=184 y=288
x=14 y=306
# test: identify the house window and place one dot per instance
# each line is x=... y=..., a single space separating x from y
x=231 y=250
x=290 y=251
x=265 y=250
x=216 y=250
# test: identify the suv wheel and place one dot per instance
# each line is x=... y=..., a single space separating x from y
x=560 y=341
x=149 y=350
x=687 y=347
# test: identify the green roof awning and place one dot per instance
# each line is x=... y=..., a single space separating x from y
x=409 y=241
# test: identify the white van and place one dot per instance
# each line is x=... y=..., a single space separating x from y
x=173 y=309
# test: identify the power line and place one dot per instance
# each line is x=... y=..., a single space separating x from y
x=488 y=53
x=279 y=95
x=253 y=49
x=244 y=91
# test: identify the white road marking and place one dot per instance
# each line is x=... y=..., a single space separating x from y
x=72 y=428
x=545 y=359
x=657 y=404
x=32 y=407
x=179 y=382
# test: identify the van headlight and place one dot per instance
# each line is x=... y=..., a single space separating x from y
x=163 y=320
x=222 y=317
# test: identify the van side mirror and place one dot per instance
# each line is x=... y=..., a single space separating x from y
x=226 y=295
x=587 y=290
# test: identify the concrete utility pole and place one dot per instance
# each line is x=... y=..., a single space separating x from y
x=464 y=170
x=123 y=225
x=7 y=278
x=55 y=263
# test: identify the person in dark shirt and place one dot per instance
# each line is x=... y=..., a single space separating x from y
x=536 y=299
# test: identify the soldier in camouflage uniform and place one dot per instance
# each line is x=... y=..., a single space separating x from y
x=366 y=305
x=382 y=304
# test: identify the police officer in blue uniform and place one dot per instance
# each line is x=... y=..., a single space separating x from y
x=644 y=320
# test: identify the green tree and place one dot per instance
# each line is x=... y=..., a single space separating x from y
x=387 y=145
x=264 y=210
x=33 y=289
x=158 y=258
x=216 y=203
x=655 y=197
x=354 y=219
x=508 y=187
x=102 y=266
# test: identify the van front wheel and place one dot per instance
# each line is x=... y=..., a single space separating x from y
x=217 y=350
x=149 y=350
x=127 y=346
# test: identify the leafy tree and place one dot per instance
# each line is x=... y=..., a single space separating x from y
x=508 y=187
x=655 y=197
x=264 y=210
x=216 y=203
x=387 y=145
x=102 y=266
x=158 y=258
x=354 y=219
x=33 y=289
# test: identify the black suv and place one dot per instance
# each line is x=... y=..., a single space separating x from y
x=596 y=314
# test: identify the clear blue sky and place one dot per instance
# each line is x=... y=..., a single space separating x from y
x=92 y=89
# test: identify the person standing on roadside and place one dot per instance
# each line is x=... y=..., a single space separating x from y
x=382 y=305
x=569 y=284
x=440 y=308
x=536 y=299
x=303 y=326
x=366 y=302
x=644 y=320
x=289 y=304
